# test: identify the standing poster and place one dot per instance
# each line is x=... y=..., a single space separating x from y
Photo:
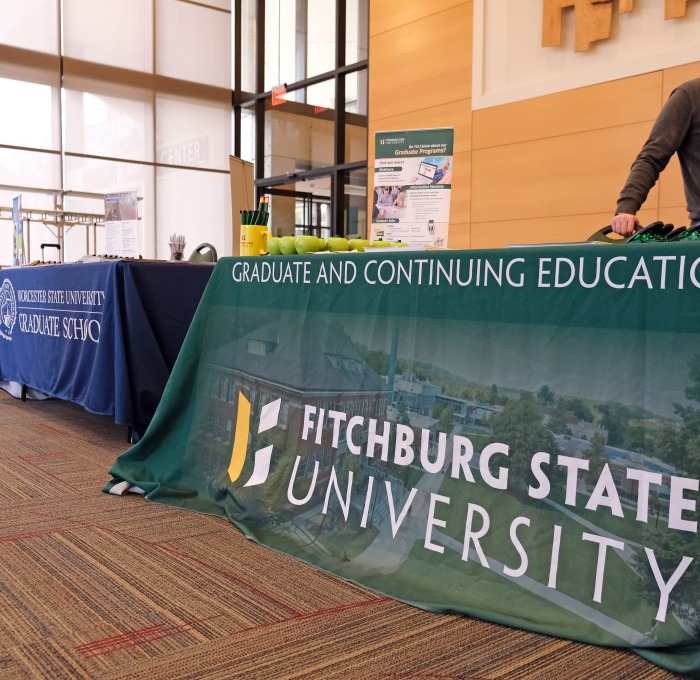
x=17 y=232
x=412 y=186
x=121 y=222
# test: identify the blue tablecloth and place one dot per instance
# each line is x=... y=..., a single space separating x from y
x=104 y=335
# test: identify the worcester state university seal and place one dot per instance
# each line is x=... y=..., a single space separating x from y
x=8 y=309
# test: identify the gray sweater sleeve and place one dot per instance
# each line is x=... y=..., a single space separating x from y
x=667 y=135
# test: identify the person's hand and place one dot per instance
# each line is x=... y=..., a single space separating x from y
x=624 y=224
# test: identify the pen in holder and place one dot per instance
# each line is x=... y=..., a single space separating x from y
x=254 y=233
x=177 y=246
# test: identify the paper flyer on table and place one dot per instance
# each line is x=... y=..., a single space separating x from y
x=17 y=232
x=412 y=185
x=121 y=223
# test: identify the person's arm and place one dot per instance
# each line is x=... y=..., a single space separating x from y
x=667 y=134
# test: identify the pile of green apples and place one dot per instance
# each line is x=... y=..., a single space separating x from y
x=301 y=245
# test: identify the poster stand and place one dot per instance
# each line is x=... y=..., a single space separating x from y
x=242 y=197
x=412 y=185
x=18 y=248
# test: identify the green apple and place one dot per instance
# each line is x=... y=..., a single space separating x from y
x=399 y=243
x=288 y=245
x=358 y=244
x=380 y=244
x=307 y=244
x=322 y=245
x=274 y=245
x=337 y=243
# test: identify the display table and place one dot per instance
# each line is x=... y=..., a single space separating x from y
x=510 y=434
x=104 y=335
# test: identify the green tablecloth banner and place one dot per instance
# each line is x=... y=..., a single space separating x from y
x=510 y=434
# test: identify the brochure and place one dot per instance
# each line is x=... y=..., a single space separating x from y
x=412 y=186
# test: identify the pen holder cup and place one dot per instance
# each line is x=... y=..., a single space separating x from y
x=254 y=239
x=176 y=251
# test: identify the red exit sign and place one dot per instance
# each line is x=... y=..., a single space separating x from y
x=278 y=93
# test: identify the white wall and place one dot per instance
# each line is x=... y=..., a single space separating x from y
x=510 y=64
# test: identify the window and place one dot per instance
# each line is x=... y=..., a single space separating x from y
x=233 y=392
x=153 y=95
x=275 y=458
x=111 y=97
x=284 y=415
x=260 y=347
x=618 y=477
x=310 y=146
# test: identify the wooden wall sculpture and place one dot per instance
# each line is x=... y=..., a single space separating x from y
x=593 y=19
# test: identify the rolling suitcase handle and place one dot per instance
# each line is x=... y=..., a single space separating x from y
x=48 y=245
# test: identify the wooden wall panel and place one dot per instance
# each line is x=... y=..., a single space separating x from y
x=569 y=175
x=460 y=201
x=673 y=77
x=454 y=114
x=460 y=236
x=632 y=100
x=420 y=77
x=618 y=116
x=678 y=215
x=385 y=16
x=422 y=64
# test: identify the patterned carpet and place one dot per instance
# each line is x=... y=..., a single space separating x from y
x=100 y=586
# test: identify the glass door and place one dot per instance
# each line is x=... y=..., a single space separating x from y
x=300 y=208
